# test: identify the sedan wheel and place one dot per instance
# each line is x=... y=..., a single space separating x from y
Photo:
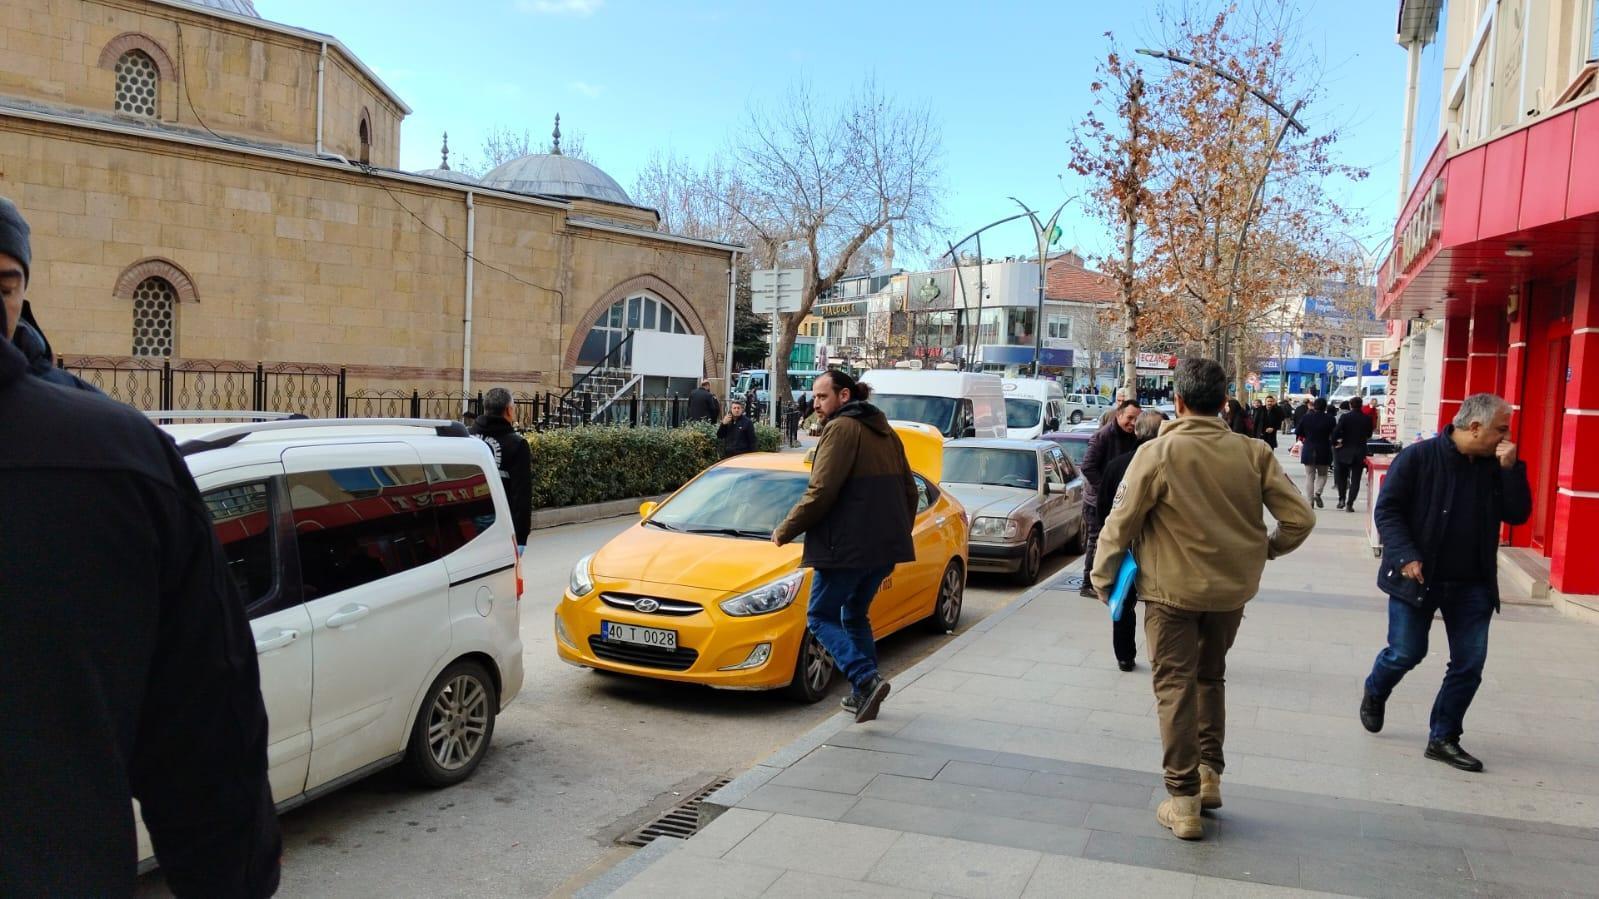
x=951 y=592
x=1077 y=416
x=813 y=671
x=1032 y=560
x=453 y=727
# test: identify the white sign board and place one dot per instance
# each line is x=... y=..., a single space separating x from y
x=662 y=355
x=776 y=290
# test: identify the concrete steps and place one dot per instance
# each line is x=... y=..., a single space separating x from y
x=1523 y=576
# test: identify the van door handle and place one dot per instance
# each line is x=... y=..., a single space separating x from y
x=276 y=640
x=348 y=615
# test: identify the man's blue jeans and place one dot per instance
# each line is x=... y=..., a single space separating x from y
x=840 y=599
x=1467 y=610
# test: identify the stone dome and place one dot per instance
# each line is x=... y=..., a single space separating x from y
x=449 y=175
x=556 y=175
x=237 y=7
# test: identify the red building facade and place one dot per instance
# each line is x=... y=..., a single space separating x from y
x=1499 y=240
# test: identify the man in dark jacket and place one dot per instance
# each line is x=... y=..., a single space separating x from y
x=703 y=404
x=1110 y=441
x=1123 y=633
x=1301 y=409
x=114 y=594
x=856 y=516
x=22 y=330
x=1315 y=435
x=1349 y=453
x=511 y=456
x=1271 y=421
x=1438 y=516
x=736 y=432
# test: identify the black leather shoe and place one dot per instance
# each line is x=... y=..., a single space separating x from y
x=871 y=699
x=1450 y=753
x=1371 y=712
x=1126 y=664
x=1340 y=504
x=850 y=703
x=1319 y=503
x=1088 y=591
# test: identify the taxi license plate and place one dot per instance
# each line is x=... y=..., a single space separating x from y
x=653 y=637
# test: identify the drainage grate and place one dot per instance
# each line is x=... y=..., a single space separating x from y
x=679 y=822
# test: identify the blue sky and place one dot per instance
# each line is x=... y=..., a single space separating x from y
x=1008 y=81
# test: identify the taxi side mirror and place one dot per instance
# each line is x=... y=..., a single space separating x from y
x=645 y=509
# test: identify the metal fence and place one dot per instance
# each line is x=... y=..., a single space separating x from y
x=324 y=391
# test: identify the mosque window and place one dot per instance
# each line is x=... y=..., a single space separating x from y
x=366 y=138
x=154 y=303
x=642 y=312
x=138 y=84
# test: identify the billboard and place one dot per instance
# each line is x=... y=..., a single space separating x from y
x=663 y=355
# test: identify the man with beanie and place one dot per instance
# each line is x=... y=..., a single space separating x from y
x=511 y=455
x=113 y=591
x=20 y=328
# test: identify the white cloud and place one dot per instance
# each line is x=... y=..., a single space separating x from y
x=586 y=89
x=560 y=7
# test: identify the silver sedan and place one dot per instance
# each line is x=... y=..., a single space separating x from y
x=1025 y=499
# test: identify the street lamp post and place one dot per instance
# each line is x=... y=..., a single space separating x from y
x=1224 y=337
x=954 y=259
x=1042 y=232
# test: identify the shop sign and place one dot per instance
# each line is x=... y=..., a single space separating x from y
x=841 y=310
x=1390 y=411
x=1416 y=234
x=1157 y=360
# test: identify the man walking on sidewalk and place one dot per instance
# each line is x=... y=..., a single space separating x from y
x=1438 y=515
x=1190 y=509
x=736 y=433
x=512 y=456
x=856 y=517
x=1314 y=433
x=1349 y=453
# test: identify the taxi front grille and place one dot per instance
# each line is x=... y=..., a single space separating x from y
x=655 y=605
x=643 y=656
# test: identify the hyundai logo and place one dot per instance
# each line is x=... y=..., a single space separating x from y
x=646 y=605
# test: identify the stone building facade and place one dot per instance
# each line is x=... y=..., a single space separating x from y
x=207 y=187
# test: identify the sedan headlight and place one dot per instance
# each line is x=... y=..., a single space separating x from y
x=773 y=597
x=582 y=582
x=995 y=527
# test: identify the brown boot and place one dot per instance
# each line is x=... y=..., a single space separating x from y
x=1181 y=815
x=1209 y=787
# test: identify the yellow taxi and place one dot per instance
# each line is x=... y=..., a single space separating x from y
x=696 y=592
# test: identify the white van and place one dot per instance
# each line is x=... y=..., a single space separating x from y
x=957 y=403
x=758 y=379
x=1033 y=406
x=1368 y=386
x=377 y=562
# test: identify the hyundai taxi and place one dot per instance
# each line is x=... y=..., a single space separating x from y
x=696 y=592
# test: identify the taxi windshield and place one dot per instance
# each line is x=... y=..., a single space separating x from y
x=733 y=502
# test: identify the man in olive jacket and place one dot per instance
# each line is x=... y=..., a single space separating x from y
x=1190 y=508
x=856 y=517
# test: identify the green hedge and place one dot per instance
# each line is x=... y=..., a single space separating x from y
x=578 y=466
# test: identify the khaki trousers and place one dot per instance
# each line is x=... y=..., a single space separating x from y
x=1188 y=659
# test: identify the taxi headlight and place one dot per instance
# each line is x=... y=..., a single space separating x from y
x=995 y=527
x=773 y=597
x=582 y=582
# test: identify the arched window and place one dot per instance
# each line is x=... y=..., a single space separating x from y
x=366 y=138
x=642 y=312
x=154 y=324
x=138 y=85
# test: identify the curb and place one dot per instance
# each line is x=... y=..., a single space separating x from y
x=616 y=508
x=742 y=786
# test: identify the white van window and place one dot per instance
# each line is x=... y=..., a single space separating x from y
x=1021 y=413
x=938 y=411
x=354 y=526
x=242 y=518
x=463 y=503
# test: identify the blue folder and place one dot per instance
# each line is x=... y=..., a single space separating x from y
x=1122 y=593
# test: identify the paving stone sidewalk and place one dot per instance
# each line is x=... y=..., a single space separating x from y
x=1018 y=761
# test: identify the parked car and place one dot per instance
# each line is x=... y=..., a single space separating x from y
x=1073 y=440
x=696 y=592
x=1032 y=406
x=1025 y=499
x=377 y=563
x=1090 y=406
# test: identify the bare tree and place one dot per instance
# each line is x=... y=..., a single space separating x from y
x=503 y=143
x=831 y=179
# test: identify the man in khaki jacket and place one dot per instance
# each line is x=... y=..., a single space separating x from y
x=1190 y=509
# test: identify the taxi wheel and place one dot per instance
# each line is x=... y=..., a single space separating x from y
x=454 y=726
x=947 y=609
x=1032 y=560
x=813 y=671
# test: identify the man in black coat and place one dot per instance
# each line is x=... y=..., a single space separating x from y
x=736 y=432
x=129 y=667
x=703 y=404
x=1439 y=515
x=511 y=456
x=1301 y=409
x=1110 y=441
x=1123 y=633
x=25 y=333
x=1315 y=435
x=1271 y=424
x=1349 y=452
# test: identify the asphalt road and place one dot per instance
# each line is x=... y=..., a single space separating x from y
x=577 y=760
